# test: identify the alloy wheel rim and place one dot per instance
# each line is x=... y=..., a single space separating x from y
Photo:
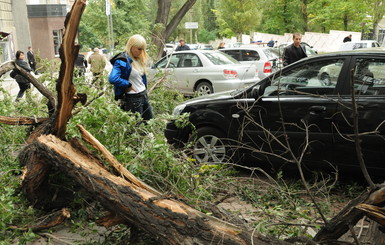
x=209 y=148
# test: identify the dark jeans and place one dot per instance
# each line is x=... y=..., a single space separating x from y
x=23 y=87
x=33 y=67
x=138 y=103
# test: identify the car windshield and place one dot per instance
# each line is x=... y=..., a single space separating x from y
x=219 y=58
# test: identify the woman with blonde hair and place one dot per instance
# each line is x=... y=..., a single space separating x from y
x=128 y=76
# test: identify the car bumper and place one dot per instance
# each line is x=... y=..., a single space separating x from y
x=176 y=136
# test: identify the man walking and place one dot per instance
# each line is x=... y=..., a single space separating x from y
x=294 y=51
x=182 y=46
x=97 y=63
x=31 y=59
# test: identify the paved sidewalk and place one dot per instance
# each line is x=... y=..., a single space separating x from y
x=10 y=85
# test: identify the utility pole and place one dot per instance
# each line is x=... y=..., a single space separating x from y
x=110 y=26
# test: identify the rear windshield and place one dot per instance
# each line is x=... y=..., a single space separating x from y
x=219 y=58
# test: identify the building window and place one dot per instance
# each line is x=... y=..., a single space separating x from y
x=57 y=40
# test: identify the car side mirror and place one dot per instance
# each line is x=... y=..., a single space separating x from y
x=256 y=91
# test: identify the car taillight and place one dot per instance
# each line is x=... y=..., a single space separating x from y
x=267 y=68
x=230 y=74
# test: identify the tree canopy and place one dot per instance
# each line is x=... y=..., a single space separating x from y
x=165 y=19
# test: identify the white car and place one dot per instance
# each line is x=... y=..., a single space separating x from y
x=204 y=72
x=263 y=57
x=358 y=44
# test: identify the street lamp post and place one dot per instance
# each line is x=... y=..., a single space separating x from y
x=109 y=25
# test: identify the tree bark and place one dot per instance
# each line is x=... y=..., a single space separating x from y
x=168 y=220
x=350 y=215
x=159 y=39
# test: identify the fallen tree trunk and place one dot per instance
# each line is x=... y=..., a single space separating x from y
x=349 y=216
x=167 y=220
x=21 y=120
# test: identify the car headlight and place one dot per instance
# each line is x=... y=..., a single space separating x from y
x=178 y=109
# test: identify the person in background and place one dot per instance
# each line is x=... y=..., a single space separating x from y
x=221 y=45
x=80 y=64
x=270 y=43
x=128 y=76
x=31 y=59
x=97 y=63
x=182 y=46
x=348 y=38
x=294 y=51
x=23 y=82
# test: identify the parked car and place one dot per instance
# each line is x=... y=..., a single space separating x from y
x=193 y=46
x=358 y=44
x=264 y=58
x=206 y=47
x=205 y=72
x=315 y=116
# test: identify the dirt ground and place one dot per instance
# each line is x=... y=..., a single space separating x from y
x=237 y=211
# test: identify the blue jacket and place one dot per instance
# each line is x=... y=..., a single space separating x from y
x=120 y=74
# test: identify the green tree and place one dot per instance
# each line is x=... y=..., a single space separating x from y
x=282 y=16
x=338 y=15
x=208 y=15
x=163 y=28
x=129 y=17
x=377 y=11
x=237 y=16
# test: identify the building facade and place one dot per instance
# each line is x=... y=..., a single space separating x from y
x=14 y=28
x=36 y=23
x=46 y=24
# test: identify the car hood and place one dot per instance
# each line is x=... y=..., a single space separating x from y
x=210 y=97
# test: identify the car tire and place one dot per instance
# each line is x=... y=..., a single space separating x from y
x=209 y=145
x=204 y=88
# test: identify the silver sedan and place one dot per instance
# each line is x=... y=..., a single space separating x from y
x=204 y=72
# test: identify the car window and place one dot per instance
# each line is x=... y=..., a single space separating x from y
x=173 y=62
x=360 y=45
x=369 y=76
x=191 y=60
x=309 y=51
x=233 y=53
x=271 y=53
x=319 y=77
x=250 y=55
x=219 y=58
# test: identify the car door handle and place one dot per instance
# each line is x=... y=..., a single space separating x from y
x=195 y=70
x=314 y=110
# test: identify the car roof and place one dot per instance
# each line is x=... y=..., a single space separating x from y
x=362 y=41
x=197 y=51
x=371 y=52
x=246 y=47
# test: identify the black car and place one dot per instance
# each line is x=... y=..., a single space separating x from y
x=304 y=112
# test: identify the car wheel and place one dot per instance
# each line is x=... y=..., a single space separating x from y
x=325 y=79
x=204 y=88
x=209 y=145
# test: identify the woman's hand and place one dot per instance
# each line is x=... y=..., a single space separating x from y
x=131 y=89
